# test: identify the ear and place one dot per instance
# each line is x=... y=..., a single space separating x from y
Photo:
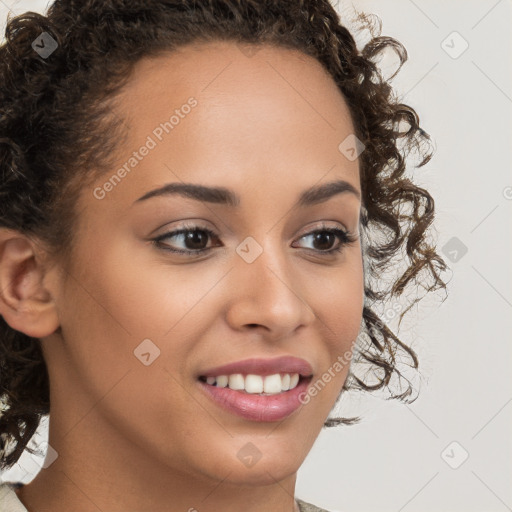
x=25 y=304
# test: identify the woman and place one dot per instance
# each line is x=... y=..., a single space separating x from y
x=181 y=375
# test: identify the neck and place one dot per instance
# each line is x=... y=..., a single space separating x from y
x=96 y=470
x=59 y=493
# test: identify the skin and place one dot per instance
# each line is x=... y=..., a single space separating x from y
x=135 y=437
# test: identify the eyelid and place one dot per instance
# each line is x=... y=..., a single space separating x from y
x=186 y=228
x=324 y=225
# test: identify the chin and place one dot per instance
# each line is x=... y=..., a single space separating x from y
x=262 y=473
x=250 y=468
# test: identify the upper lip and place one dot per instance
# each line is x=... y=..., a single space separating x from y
x=261 y=366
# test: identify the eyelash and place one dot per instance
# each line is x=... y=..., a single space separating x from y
x=346 y=238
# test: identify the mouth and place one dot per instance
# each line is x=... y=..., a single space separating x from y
x=258 y=389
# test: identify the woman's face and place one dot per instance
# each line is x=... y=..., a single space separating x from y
x=142 y=327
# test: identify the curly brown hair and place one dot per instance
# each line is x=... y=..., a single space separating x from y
x=55 y=118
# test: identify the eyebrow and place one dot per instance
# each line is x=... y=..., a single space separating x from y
x=220 y=195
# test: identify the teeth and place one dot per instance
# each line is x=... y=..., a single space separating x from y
x=256 y=384
x=222 y=381
x=272 y=384
x=285 y=381
x=236 y=381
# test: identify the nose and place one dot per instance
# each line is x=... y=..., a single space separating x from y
x=266 y=297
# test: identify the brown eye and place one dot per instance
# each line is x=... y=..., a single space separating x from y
x=323 y=239
x=194 y=240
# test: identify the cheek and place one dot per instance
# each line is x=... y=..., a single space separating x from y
x=339 y=307
x=115 y=304
x=339 y=301
x=136 y=295
x=121 y=297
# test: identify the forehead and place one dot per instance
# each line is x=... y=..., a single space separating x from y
x=224 y=63
x=271 y=88
x=274 y=114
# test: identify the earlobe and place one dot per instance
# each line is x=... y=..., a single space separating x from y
x=25 y=304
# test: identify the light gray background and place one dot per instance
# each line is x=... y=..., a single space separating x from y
x=401 y=457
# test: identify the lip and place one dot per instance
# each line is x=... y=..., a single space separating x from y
x=260 y=366
x=254 y=407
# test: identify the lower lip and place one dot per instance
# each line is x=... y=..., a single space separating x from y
x=258 y=407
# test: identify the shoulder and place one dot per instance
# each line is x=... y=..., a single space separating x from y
x=307 y=507
x=9 y=500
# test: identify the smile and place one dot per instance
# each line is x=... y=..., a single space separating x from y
x=258 y=389
x=255 y=384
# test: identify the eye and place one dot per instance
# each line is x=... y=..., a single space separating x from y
x=193 y=237
x=195 y=240
x=324 y=237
